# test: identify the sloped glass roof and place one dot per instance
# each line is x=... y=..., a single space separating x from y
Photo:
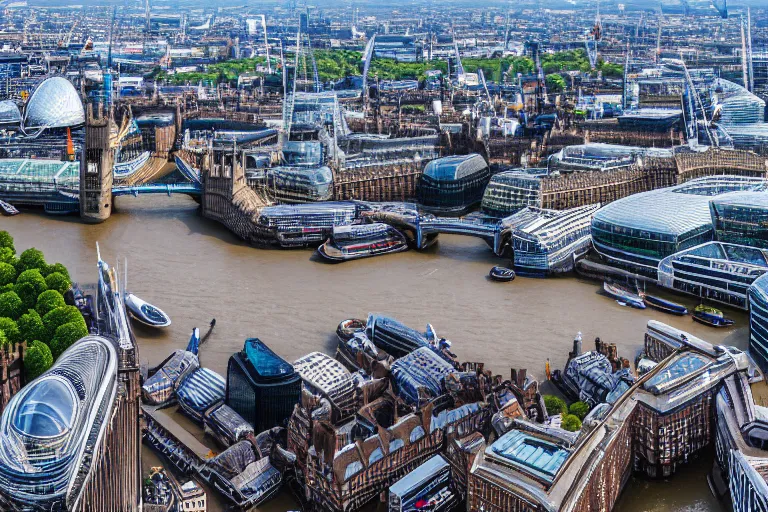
x=266 y=363
x=681 y=370
x=9 y=113
x=455 y=167
x=47 y=410
x=54 y=104
x=674 y=210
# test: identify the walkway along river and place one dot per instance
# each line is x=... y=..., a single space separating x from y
x=195 y=270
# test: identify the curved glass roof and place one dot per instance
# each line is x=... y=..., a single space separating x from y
x=455 y=167
x=54 y=104
x=674 y=210
x=9 y=113
x=47 y=410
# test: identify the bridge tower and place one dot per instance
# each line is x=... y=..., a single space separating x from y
x=96 y=169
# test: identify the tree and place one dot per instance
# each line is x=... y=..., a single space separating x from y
x=579 y=409
x=555 y=405
x=27 y=294
x=3 y=339
x=6 y=241
x=32 y=258
x=48 y=301
x=11 y=330
x=57 y=268
x=58 y=282
x=37 y=360
x=33 y=277
x=555 y=83
x=7 y=274
x=31 y=326
x=570 y=423
x=11 y=305
x=60 y=316
x=67 y=335
x=8 y=255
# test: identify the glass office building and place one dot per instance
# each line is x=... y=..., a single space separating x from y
x=453 y=184
x=758 y=321
x=510 y=191
x=637 y=232
x=741 y=218
x=715 y=271
x=261 y=386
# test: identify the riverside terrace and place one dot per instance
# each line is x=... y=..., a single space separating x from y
x=367 y=418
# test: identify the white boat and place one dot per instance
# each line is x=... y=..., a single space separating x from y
x=624 y=296
x=145 y=313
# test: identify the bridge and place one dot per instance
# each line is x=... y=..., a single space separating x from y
x=191 y=189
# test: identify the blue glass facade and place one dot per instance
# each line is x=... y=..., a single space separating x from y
x=758 y=321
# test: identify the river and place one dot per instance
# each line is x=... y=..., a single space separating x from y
x=195 y=270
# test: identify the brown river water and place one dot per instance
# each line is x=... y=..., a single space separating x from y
x=195 y=270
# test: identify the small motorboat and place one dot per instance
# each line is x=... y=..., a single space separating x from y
x=667 y=306
x=145 y=313
x=8 y=209
x=710 y=316
x=623 y=295
x=502 y=274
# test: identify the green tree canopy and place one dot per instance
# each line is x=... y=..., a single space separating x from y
x=27 y=294
x=31 y=326
x=48 y=301
x=57 y=268
x=8 y=255
x=571 y=423
x=33 y=277
x=579 y=409
x=66 y=335
x=6 y=241
x=11 y=330
x=555 y=83
x=32 y=258
x=7 y=274
x=555 y=405
x=11 y=305
x=37 y=360
x=58 y=282
x=60 y=316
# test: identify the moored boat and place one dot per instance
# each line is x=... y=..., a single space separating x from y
x=8 y=209
x=710 y=316
x=623 y=295
x=362 y=241
x=502 y=274
x=145 y=313
x=347 y=328
x=664 y=305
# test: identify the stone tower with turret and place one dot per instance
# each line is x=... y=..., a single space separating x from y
x=96 y=169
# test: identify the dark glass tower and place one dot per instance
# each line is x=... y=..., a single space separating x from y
x=261 y=386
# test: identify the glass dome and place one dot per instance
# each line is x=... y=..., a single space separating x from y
x=54 y=104
x=47 y=410
x=9 y=113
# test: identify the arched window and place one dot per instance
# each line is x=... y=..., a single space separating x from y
x=377 y=454
x=353 y=468
x=417 y=433
x=396 y=444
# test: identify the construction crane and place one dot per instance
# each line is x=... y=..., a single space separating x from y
x=658 y=36
x=746 y=52
x=593 y=38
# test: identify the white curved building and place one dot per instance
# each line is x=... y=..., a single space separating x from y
x=9 y=113
x=51 y=429
x=55 y=103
